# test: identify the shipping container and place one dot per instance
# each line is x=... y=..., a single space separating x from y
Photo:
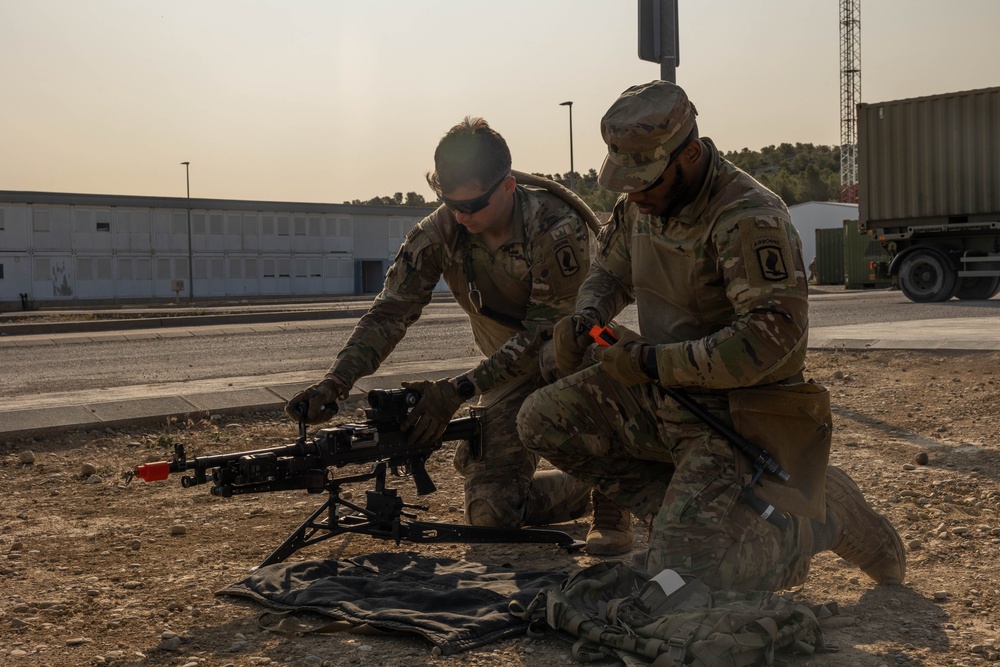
x=829 y=269
x=865 y=261
x=929 y=190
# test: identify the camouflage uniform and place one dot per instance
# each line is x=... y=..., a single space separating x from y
x=524 y=287
x=721 y=291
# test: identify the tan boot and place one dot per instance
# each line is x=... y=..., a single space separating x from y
x=864 y=537
x=611 y=533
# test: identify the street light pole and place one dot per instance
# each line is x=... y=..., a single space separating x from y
x=570 y=105
x=187 y=178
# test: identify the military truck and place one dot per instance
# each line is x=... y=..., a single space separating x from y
x=929 y=190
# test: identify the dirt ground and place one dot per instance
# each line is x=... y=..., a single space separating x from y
x=97 y=572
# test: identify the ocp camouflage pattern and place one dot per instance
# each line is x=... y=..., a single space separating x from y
x=720 y=289
x=531 y=282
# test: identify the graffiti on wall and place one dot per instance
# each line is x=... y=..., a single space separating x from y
x=61 y=285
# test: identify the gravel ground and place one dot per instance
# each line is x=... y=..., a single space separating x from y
x=97 y=572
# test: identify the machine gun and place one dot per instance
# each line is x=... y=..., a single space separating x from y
x=309 y=464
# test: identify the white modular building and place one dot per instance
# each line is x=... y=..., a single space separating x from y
x=810 y=216
x=82 y=249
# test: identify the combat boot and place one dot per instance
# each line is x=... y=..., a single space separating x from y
x=863 y=536
x=611 y=533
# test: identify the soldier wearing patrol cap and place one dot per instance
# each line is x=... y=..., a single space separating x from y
x=513 y=257
x=714 y=265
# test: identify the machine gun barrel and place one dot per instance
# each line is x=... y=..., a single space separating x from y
x=160 y=470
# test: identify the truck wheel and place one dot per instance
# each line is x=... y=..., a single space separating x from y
x=977 y=289
x=926 y=276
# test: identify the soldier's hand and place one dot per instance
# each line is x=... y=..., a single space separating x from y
x=439 y=401
x=624 y=362
x=570 y=340
x=315 y=404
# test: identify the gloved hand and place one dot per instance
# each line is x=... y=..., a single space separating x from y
x=623 y=361
x=570 y=340
x=439 y=401
x=317 y=403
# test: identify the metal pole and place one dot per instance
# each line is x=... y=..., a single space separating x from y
x=571 y=169
x=668 y=71
x=187 y=178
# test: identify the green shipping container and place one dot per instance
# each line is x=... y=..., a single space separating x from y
x=829 y=269
x=866 y=263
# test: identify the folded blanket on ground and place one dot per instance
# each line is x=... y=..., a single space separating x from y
x=457 y=605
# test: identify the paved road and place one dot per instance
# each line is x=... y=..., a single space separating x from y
x=106 y=378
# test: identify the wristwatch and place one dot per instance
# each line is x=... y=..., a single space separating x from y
x=466 y=389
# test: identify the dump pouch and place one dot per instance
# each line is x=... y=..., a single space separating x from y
x=793 y=423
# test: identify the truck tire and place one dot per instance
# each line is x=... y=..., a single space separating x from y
x=926 y=276
x=977 y=289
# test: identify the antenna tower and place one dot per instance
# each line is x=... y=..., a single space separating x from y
x=850 y=95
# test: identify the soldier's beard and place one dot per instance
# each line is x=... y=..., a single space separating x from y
x=676 y=198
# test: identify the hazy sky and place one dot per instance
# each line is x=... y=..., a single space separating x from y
x=329 y=100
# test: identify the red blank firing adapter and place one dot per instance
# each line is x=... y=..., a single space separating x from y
x=153 y=472
x=603 y=336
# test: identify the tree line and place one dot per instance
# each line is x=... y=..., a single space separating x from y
x=796 y=172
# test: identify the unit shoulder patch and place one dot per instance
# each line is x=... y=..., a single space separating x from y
x=566 y=257
x=767 y=252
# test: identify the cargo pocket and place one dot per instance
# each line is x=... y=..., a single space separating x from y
x=793 y=423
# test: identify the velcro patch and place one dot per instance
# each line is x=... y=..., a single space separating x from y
x=767 y=252
x=566 y=257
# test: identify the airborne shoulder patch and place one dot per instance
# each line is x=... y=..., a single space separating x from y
x=566 y=258
x=767 y=253
x=769 y=259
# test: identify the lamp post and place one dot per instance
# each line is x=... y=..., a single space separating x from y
x=570 y=105
x=187 y=178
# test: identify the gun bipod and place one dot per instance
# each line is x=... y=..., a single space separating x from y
x=383 y=518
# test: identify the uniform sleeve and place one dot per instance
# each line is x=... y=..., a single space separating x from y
x=760 y=257
x=608 y=287
x=409 y=286
x=559 y=258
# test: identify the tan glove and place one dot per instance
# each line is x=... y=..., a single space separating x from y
x=624 y=362
x=316 y=404
x=570 y=340
x=439 y=401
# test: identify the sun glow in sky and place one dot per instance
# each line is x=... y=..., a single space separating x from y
x=329 y=100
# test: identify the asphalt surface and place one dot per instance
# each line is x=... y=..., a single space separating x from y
x=155 y=403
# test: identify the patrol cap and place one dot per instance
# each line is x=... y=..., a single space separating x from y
x=642 y=128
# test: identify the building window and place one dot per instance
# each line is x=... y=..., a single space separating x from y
x=104 y=226
x=1 y=220
x=40 y=220
x=1 y=267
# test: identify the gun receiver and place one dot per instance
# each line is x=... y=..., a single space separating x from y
x=308 y=464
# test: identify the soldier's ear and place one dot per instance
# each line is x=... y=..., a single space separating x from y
x=693 y=151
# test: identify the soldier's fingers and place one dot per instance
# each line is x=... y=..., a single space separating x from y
x=324 y=415
x=411 y=419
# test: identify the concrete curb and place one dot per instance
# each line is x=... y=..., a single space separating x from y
x=156 y=404
x=129 y=324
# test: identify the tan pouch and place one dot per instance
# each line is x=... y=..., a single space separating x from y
x=793 y=423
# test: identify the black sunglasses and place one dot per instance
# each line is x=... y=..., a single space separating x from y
x=474 y=205
x=655 y=184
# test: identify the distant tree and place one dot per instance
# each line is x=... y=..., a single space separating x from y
x=414 y=199
x=587 y=188
x=411 y=199
x=797 y=174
